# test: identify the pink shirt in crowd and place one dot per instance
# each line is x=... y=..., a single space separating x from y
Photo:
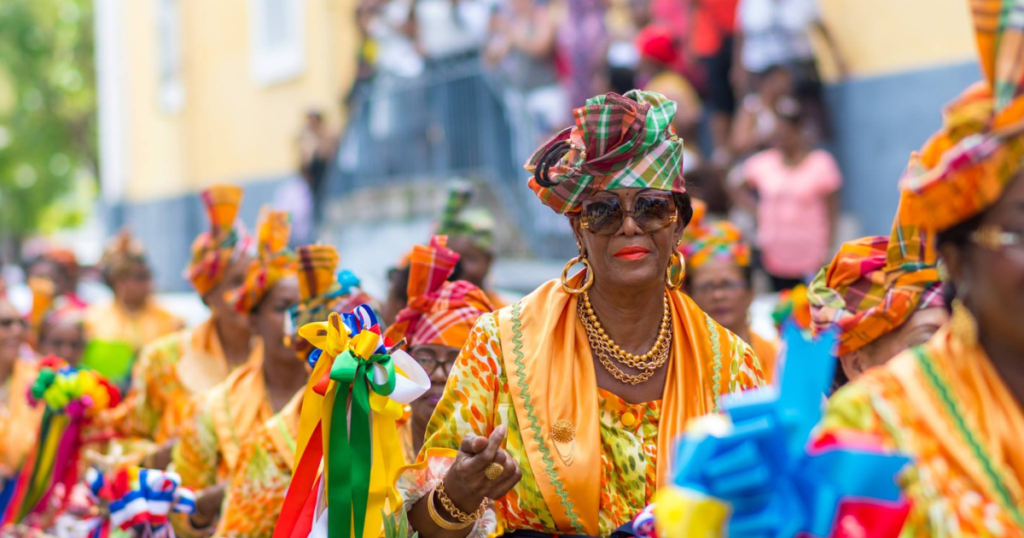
x=792 y=213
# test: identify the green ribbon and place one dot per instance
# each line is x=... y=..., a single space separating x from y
x=348 y=484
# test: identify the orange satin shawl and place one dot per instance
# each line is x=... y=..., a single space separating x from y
x=551 y=377
x=284 y=427
x=241 y=408
x=983 y=400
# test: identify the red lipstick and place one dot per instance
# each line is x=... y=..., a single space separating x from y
x=631 y=253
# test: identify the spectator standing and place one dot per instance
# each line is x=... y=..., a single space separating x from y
x=316 y=149
x=582 y=40
x=712 y=24
x=523 y=49
x=778 y=32
x=797 y=201
x=755 y=121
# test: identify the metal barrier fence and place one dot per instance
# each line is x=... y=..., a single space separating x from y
x=450 y=122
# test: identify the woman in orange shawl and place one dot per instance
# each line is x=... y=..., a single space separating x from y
x=192 y=361
x=954 y=405
x=563 y=407
x=118 y=330
x=264 y=471
x=224 y=418
x=719 y=278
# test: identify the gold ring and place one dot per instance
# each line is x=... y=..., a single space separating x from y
x=494 y=470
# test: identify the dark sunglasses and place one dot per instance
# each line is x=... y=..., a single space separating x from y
x=651 y=212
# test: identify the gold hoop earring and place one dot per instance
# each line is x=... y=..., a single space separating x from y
x=582 y=258
x=676 y=272
x=962 y=325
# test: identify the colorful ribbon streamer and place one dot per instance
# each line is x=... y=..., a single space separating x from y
x=72 y=398
x=356 y=394
x=778 y=484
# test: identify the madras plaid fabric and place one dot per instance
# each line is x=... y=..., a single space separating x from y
x=720 y=240
x=273 y=261
x=964 y=167
x=439 y=312
x=862 y=295
x=226 y=239
x=618 y=142
x=475 y=224
x=120 y=253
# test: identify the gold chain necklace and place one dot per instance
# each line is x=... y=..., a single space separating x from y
x=640 y=362
x=603 y=350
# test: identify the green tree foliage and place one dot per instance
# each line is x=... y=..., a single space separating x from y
x=48 y=139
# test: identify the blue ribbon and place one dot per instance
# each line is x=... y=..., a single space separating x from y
x=763 y=468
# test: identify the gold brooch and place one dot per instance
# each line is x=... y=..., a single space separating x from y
x=563 y=432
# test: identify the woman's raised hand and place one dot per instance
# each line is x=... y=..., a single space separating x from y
x=467 y=483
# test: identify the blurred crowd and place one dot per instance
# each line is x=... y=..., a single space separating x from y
x=743 y=73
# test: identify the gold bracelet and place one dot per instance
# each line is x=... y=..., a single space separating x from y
x=455 y=512
x=440 y=521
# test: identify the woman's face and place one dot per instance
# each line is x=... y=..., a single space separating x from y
x=133 y=285
x=437 y=360
x=720 y=288
x=216 y=299
x=268 y=320
x=991 y=282
x=629 y=257
x=12 y=331
x=474 y=263
x=64 y=338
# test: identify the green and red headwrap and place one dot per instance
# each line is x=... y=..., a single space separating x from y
x=619 y=141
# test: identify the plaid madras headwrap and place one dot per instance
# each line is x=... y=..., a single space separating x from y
x=720 y=240
x=439 y=312
x=322 y=290
x=475 y=224
x=273 y=261
x=867 y=291
x=965 y=166
x=225 y=241
x=618 y=142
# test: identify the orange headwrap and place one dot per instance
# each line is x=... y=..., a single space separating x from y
x=875 y=283
x=273 y=262
x=439 y=312
x=965 y=166
x=214 y=249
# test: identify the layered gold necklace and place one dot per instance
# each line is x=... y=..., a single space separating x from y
x=607 y=350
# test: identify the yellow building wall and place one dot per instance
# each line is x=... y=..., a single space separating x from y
x=879 y=37
x=231 y=128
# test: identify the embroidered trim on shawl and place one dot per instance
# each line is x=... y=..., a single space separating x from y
x=716 y=348
x=943 y=390
x=549 y=463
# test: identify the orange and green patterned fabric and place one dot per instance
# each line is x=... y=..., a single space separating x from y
x=944 y=406
x=618 y=459
x=619 y=141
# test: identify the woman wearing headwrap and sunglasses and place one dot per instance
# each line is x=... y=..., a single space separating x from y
x=226 y=416
x=563 y=407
